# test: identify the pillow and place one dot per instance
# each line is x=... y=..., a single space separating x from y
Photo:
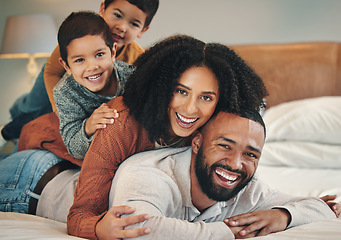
x=301 y=154
x=312 y=120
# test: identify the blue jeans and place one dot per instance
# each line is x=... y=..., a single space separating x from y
x=20 y=173
x=28 y=107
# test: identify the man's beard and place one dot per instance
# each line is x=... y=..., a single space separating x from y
x=212 y=190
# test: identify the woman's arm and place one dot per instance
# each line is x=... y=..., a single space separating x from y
x=109 y=148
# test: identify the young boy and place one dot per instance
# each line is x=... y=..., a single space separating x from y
x=93 y=77
x=127 y=20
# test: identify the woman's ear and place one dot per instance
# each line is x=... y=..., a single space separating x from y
x=65 y=66
x=196 y=142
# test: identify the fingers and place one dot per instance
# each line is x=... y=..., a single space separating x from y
x=240 y=220
x=105 y=112
x=111 y=226
x=328 y=198
x=120 y=210
x=336 y=209
x=129 y=220
x=260 y=222
x=133 y=233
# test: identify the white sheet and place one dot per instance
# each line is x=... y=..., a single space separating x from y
x=24 y=226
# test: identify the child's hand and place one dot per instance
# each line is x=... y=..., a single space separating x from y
x=335 y=207
x=259 y=223
x=111 y=226
x=100 y=118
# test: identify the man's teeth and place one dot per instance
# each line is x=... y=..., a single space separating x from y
x=94 y=78
x=186 y=120
x=225 y=175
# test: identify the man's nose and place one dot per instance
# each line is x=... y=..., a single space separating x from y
x=234 y=161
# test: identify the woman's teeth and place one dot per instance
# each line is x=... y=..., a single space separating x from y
x=186 y=120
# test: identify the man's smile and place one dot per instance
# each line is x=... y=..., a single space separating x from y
x=227 y=179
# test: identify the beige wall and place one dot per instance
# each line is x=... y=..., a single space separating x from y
x=226 y=21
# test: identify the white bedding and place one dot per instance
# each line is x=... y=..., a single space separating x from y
x=24 y=226
x=301 y=156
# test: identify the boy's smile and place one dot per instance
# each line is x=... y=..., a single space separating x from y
x=91 y=64
x=125 y=20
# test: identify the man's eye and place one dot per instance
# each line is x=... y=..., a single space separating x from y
x=224 y=146
x=252 y=155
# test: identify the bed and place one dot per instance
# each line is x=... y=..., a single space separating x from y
x=302 y=153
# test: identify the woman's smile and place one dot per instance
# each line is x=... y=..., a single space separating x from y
x=194 y=100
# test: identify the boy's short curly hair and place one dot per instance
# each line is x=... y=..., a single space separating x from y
x=149 y=89
x=80 y=24
x=147 y=6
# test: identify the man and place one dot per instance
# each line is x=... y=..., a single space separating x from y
x=192 y=193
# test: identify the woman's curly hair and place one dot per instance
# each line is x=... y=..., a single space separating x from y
x=150 y=88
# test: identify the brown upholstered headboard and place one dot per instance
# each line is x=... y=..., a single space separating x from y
x=296 y=70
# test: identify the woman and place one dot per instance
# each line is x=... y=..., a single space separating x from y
x=175 y=89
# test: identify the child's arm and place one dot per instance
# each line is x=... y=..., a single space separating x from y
x=53 y=72
x=99 y=119
x=74 y=109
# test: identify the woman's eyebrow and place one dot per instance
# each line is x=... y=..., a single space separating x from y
x=188 y=88
x=184 y=86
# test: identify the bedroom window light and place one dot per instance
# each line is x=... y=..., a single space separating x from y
x=29 y=36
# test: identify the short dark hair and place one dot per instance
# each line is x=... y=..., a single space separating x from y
x=80 y=24
x=147 y=6
x=248 y=113
x=150 y=88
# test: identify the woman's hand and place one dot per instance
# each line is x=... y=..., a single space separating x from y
x=335 y=207
x=111 y=226
x=102 y=116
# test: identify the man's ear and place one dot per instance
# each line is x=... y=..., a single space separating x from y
x=196 y=142
x=142 y=32
x=65 y=66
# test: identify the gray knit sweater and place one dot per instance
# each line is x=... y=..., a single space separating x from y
x=75 y=104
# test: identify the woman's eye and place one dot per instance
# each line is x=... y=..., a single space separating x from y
x=78 y=60
x=206 y=98
x=181 y=91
